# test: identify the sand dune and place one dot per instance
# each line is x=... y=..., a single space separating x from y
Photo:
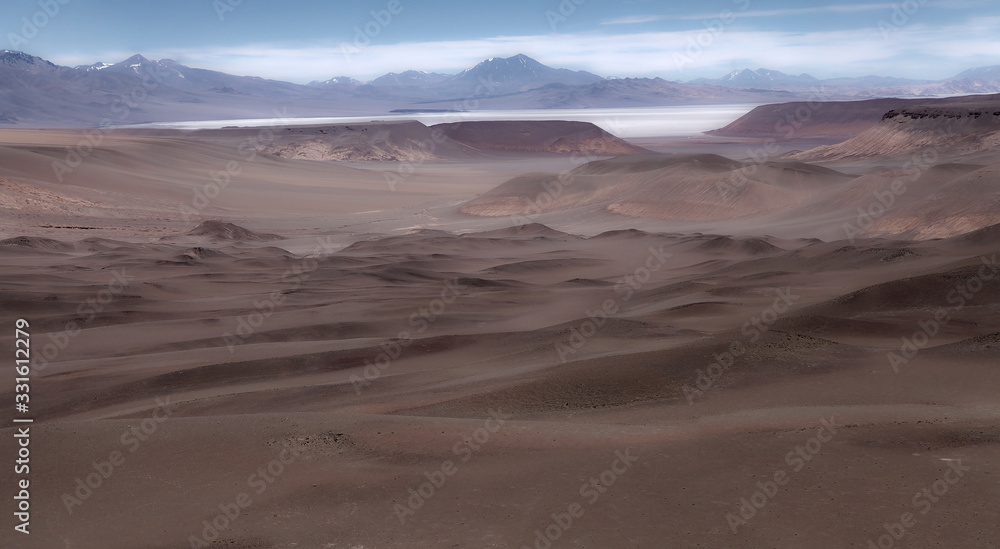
x=382 y=332
x=691 y=188
x=926 y=194
x=962 y=205
x=624 y=387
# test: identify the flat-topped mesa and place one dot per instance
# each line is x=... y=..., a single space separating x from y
x=957 y=126
x=846 y=119
x=814 y=119
x=539 y=136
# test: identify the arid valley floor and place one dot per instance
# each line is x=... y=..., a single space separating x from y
x=506 y=335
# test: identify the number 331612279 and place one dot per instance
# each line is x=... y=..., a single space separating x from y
x=22 y=359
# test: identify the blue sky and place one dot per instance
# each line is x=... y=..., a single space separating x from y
x=304 y=40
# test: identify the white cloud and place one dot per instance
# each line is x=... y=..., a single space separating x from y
x=809 y=10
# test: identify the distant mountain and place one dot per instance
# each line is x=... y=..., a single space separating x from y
x=137 y=90
x=336 y=81
x=19 y=60
x=761 y=79
x=870 y=82
x=988 y=74
x=164 y=72
x=95 y=67
x=409 y=78
x=499 y=75
x=493 y=77
x=34 y=91
x=625 y=92
x=978 y=80
x=867 y=86
x=167 y=72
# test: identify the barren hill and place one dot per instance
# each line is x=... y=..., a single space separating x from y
x=802 y=119
x=539 y=136
x=836 y=119
x=220 y=230
x=961 y=126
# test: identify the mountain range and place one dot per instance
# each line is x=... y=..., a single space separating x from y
x=972 y=81
x=37 y=92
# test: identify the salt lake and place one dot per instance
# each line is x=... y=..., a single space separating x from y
x=629 y=123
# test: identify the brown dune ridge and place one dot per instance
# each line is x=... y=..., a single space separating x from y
x=518 y=303
x=163 y=177
x=962 y=205
x=944 y=198
x=661 y=186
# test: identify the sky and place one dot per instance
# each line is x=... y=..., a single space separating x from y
x=305 y=40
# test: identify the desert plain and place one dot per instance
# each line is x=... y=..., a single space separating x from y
x=509 y=334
